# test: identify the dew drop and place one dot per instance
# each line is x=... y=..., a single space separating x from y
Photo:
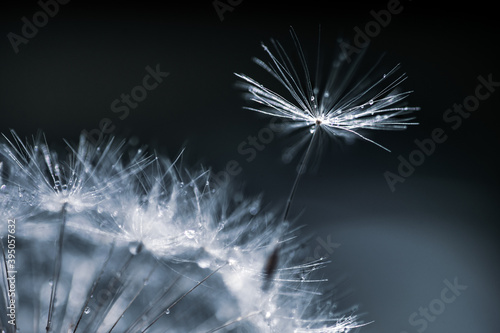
x=189 y=233
x=2 y=187
x=254 y=208
x=204 y=263
x=268 y=315
x=167 y=312
x=312 y=98
x=371 y=102
x=135 y=248
x=87 y=310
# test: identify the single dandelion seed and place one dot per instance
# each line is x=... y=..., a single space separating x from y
x=335 y=105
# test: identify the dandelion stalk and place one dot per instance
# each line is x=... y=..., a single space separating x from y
x=170 y=307
x=134 y=298
x=153 y=304
x=94 y=285
x=57 y=268
x=103 y=312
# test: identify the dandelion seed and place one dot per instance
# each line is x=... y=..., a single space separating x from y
x=336 y=105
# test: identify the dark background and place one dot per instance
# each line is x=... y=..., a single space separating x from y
x=395 y=248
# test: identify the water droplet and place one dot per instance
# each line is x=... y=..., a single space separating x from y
x=204 y=263
x=99 y=209
x=189 y=233
x=254 y=208
x=385 y=75
x=312 y=98
x=268 y=315
x=2 y=187
x=87 y=310
x=312 y=129
x=371 y=102
x=135 y=248
x=167 y=311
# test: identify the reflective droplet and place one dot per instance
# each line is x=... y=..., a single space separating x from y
x=87 y=310
x=371 y=102
x=167 y=311
x=254 y=208
x=189 y=233
x=135 y=248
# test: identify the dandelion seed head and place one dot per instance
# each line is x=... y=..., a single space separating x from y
x=143 y=232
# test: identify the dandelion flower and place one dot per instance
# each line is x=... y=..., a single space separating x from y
x=114 y=240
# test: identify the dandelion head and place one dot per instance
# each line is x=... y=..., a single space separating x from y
x=131 y=242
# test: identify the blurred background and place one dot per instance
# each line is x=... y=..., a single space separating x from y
x=391 y=251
